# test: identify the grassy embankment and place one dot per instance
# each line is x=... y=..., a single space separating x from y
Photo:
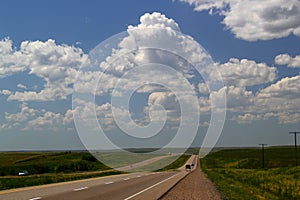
x=48 y=167
x=54 y=167
x=238 y=173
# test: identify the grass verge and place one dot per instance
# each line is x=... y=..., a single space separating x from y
x=236 y=177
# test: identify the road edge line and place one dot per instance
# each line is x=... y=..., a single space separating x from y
x=164 y=194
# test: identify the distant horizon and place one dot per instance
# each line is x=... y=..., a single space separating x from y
x=116 y=150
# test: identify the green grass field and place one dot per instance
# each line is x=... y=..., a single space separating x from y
x=47 y=162
x=48 y=167
x=238 y=173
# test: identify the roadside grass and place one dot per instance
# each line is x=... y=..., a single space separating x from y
x=238 y=173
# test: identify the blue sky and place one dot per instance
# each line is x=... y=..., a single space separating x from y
x=254 y=44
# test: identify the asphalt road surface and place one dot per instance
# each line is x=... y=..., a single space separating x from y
x=141 y=164
x=127 y=186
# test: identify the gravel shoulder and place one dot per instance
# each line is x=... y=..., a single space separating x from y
x=194 y=186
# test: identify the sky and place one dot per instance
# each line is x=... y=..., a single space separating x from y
x=222 y=73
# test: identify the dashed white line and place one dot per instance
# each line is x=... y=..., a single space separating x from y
x=109 y=183
x=36 y=198
x=148 y=188
x=138 y=176
x=125 y=179
x=79 y=189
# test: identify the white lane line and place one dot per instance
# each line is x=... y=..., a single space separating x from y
x=79 y=189
x=148 y=188
x=36 y=198
x=138 y=176
x=125 y=179
x=109 y=183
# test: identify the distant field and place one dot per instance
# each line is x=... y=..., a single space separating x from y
x=48 y=167
x=47 y=162
x=238 y=173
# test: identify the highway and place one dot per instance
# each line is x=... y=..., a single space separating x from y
x=146 y=185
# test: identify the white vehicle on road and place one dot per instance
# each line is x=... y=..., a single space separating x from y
x=23 y=173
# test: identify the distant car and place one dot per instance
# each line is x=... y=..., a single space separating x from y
x=23 y=173
x=188 y=167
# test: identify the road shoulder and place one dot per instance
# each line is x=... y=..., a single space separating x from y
x=194 y=186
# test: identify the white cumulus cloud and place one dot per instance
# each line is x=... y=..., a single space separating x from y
x=289 y=118
x=48 y=120
x=286 y=59
x=29 y=118
x=11 y=61
x=55 y=64
x=280 y=100
x=248 y=118
x=238 y=98
x=255 y=19
x=246 y=72
x=287 y=88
